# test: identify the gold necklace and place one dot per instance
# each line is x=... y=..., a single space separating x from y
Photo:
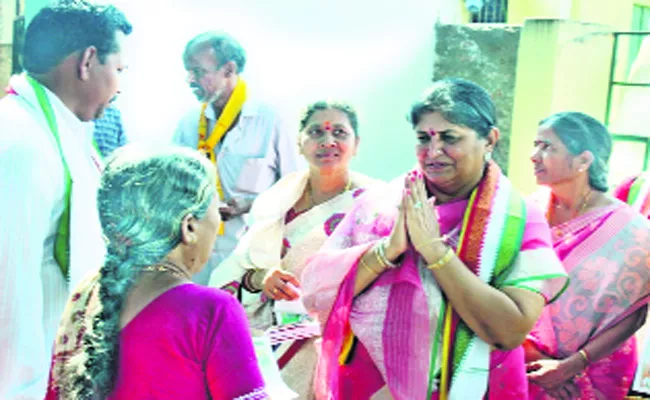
x=310 y=198
x=550 y=214
x=585 y=201
x=168 y=267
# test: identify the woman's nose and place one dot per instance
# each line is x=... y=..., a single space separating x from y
x=328 y=140
x=435 y=146
x=534 y=156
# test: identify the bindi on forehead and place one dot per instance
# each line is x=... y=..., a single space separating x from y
x=327 y=125
x=432 y=132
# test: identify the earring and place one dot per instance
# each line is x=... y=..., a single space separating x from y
x=488 y=156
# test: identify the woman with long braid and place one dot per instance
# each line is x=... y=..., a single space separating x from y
x=140 y=328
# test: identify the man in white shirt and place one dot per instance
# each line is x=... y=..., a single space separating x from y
x=51 y=236
x=244 y=137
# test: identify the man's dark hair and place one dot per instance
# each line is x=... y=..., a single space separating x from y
x=65 y=28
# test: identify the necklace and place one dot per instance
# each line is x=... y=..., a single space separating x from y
x=166 y=266
x=585 y=201
x=575 y=213
x=310 y=198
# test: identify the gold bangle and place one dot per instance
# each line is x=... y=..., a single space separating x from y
x=375 y=249
x=584 y=355
x=380 y=250
x=442 y=261
x=364 y=265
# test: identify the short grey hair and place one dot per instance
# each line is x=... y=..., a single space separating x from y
x=460 y=102
x=226 y=48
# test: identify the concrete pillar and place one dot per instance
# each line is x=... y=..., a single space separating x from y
x=562 y=66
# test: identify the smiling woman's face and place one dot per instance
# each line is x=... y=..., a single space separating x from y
x=449 y=155
x=328 y=140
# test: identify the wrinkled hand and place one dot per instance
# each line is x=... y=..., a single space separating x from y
x=279 y=285
x=552 y=375
x=421 y=220
x=234 y=208
x=397 y=242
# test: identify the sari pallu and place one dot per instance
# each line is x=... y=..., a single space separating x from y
x=69 y=357
x=397 y=321
x=605 y=253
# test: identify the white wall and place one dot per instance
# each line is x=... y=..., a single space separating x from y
x=378 y=57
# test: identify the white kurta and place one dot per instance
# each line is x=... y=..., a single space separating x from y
x=33 y=290
x=253 y=155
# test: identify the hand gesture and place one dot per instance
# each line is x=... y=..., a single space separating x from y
x=397 y=241
x=280 y=285
x=421 y=221
x=554 y=376
x=234 y=208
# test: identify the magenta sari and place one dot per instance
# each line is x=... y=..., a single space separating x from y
x=191 y=342
x=605 y=253
x=394 y=321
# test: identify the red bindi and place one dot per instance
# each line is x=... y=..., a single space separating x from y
x=432 y=132
x=327 y=125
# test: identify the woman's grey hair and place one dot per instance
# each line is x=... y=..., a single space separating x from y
x=226 y=48
x=580 y=132
x=143 y=198
x=460 y=102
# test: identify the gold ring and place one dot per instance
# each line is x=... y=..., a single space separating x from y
x=274 y=291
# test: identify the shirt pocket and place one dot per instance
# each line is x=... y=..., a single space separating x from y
x=250 y=175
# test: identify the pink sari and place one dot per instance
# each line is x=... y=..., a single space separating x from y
x=635 y=191
x=394 y=318
x=605 y=253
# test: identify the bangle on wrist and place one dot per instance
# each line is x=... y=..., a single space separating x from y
x=585 y=356
x=247 y=282
x=442 y=261
x=367 y=267
x=380 y=251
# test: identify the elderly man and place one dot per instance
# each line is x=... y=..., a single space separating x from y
x=50 y=235
x=245 y=138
